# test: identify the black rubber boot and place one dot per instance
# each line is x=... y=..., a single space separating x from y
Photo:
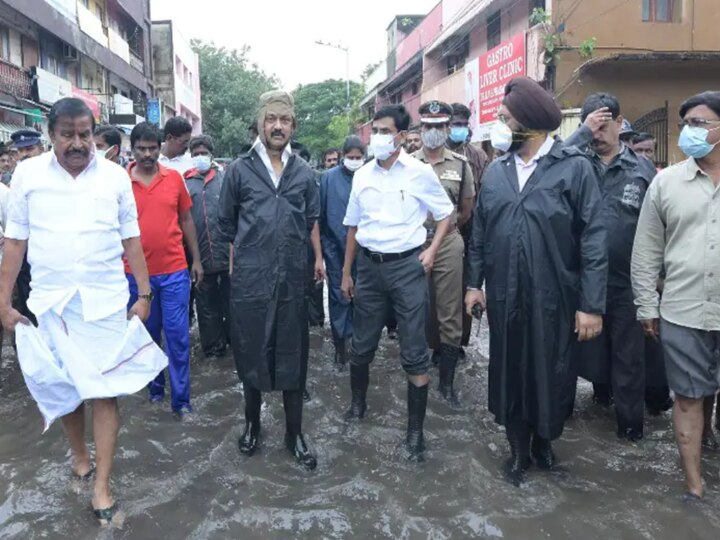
x=518 y=435
x=417 y=404
x=340 y=354
x=359 y=381
x=448 y=362
x=542 y=452
x=248 y=441
x=294 y=440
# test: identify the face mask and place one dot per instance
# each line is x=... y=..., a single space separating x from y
x=382 y=145
x=501 y=137
x=202 y=163
x=434 y=138
x=353 y=165
x=100 y=153
x=459 y=134
x=693 y=142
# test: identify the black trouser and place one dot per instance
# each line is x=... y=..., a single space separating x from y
x=399 y=284
x=212 y=299
x=621 y=348
x=23 y=292
x=657 y=391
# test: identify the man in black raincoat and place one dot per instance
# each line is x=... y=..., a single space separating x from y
x=269 y=206
x=538 y=244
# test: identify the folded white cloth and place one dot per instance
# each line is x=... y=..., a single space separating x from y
x=68 y=360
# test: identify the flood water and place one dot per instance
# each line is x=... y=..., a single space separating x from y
x=188 y=480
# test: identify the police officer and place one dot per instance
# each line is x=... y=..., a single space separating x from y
x=28 y=143
x=614 y=362
x=446 y=279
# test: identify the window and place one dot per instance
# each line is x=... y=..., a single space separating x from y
x=4 y=43
x=494 y=30
x=459 y=53
x=661 y=11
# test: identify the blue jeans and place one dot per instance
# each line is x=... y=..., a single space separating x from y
x=169 y=317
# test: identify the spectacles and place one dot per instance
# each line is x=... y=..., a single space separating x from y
x=504 y=119
x=697 y=122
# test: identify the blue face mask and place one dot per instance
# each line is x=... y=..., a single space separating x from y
x=459 y=134
x=693 y=142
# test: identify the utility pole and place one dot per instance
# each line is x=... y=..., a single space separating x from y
x=346 y=50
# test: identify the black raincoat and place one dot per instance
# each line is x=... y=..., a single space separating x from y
x=270 y=229
x=542 y=255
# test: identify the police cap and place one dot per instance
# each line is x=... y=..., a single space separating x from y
x=435 y=112
x=23 y=138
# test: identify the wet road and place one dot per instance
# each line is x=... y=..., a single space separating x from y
x=188 y=480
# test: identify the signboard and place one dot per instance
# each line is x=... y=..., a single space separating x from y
x=50 y=88
x=472 y=94
x=497 y=67
x=90 y=100
x=123 y=105
x=153 y=111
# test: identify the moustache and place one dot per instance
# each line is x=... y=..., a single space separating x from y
x=77 y=152
x=277 y=133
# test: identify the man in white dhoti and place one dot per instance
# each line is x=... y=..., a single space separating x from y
x=74 y=213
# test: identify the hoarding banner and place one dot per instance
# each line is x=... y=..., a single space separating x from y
x=497 y=67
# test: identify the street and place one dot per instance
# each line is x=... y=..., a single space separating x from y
x=188 y=480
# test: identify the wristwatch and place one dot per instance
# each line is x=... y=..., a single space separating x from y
x=148 y=297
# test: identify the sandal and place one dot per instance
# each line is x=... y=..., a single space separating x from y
x=105 y=515
x=85 y=477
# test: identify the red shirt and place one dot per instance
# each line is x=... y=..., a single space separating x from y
x=159 y=206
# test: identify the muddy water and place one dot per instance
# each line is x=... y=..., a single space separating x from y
x=187 y=479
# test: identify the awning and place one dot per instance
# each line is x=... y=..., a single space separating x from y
x=460 y=23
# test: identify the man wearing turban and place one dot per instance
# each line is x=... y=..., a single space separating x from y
x=538 y=246
x=269 y=208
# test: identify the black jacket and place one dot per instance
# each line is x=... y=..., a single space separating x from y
x=542 y=256
x=270 y=229
x=205 y=194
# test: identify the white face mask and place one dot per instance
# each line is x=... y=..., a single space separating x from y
x=202 y=163
x=353 y=164
x=100 y=153
x=382 y=145
x=501 y=136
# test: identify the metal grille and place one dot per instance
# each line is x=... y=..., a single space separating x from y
x=656 y=123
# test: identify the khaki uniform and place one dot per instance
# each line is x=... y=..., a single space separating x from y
x=446 y=278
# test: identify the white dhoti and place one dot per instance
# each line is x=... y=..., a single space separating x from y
x=67 y=360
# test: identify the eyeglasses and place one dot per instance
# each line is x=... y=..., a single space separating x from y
x=698 y=122
x=504 y=119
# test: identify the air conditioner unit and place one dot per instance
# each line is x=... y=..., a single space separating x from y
x=70 y=53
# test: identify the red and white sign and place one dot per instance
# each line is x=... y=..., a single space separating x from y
x=90 y=100
x=497 y=67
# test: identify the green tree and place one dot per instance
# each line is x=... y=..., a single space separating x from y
x=321 y=109
x=230 y=85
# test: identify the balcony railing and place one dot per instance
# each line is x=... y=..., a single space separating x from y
x=15 y=81
x=136 y=62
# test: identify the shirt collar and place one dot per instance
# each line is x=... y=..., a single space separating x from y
x=261 y=149
x=543 y=151
x=162 y=170
x=403 y=160
x=691 y=169
x=55 y=163
x=447 y=155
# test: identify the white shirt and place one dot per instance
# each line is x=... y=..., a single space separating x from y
x=74 y=228
x=525 y=170
x=4 y=196
x=389 y=207
x=261 y=150
x=182 y=163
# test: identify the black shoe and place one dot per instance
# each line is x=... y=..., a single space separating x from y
x=542 y=453
x=417 y=404
x=631 y=434
x=392 y=334
x=300 y=451
x=448 y=362
x=306 y=396
x=340 y=354
x=602 y=395
x=359 y=381
x=250 y=438
x=518 y=435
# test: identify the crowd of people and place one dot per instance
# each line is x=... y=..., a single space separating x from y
x=588 y=260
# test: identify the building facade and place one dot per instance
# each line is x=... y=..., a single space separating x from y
x=96 y=50
x=652 y=54
x=177 y=74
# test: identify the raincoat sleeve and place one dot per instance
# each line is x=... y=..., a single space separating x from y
x=581 y=138
x=593 y=240
x=647 y=255
x=229 y=205
x=312 y=202
x=475 y=262
x=323 y=207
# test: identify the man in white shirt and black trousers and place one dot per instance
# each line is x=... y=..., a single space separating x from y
x=389 y=203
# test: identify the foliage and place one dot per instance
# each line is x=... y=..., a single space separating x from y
x=539 y=16
x=230 y=85
x=587 y=47
x=365 y=75
x=321 y=109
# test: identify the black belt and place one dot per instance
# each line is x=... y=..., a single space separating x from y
x=374 y=256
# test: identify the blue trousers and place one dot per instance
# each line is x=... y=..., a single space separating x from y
x=169 y=318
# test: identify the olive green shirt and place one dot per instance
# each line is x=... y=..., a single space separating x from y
x=679 y=230
x=450 y=173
